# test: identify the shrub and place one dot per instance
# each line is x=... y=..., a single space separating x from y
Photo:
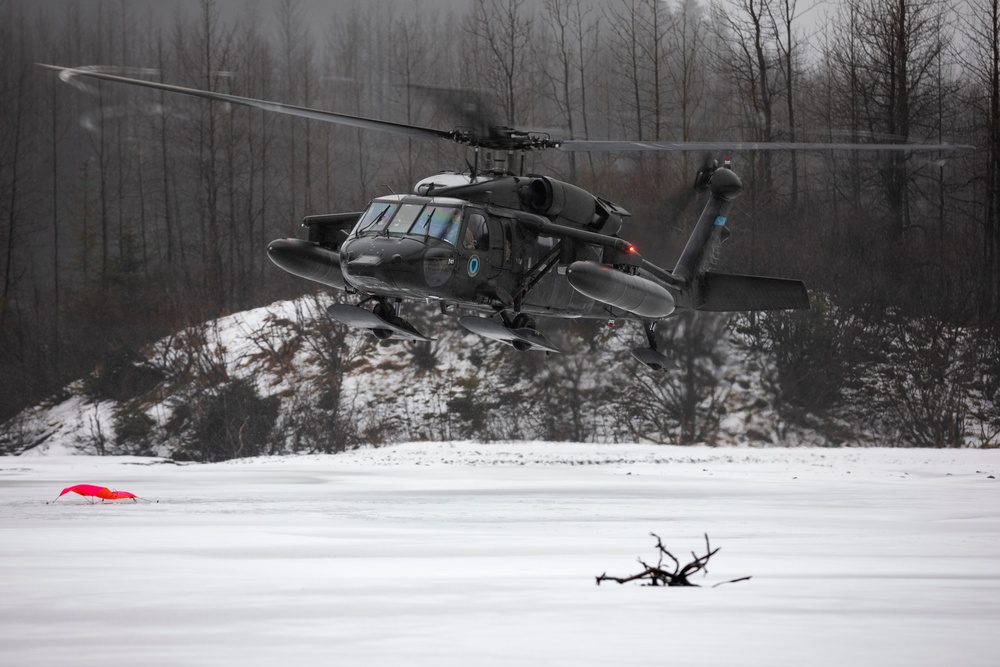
x=233 y=421
x=121 y=375
x=134 y=430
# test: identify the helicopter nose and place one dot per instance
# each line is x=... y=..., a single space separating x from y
x=365 y=266
x=385 y=263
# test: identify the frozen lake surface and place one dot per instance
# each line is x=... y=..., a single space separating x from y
x=472 y=554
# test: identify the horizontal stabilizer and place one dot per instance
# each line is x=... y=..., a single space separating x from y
x=724 y=292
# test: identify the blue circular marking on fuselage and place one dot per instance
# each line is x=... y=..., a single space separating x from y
x=474 y=265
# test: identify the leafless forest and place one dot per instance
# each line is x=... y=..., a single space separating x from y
x=126 y=214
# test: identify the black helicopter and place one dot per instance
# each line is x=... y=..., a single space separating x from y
x=515 y=247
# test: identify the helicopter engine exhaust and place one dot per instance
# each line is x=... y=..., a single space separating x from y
x=307 y=260
x=635 y=294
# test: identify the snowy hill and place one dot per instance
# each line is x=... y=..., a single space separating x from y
x=285 y=378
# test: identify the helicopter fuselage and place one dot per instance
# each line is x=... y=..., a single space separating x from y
x=517 y=247
x=450 y=250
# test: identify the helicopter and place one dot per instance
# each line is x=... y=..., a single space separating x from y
x=508 y=248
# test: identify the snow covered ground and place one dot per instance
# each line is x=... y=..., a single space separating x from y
x=470 y=554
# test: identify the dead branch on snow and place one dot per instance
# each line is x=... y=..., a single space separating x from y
x=657 y=575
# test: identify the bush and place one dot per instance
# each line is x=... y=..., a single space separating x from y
x=814 y=353
x=467 y=407
x=121 y=375
x=922 y=386
x=134 y=431
x=232 y=422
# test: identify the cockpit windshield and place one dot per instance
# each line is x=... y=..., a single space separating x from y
x=375 y=218
x=403 y=220
x=439 y=222
x=412 y=219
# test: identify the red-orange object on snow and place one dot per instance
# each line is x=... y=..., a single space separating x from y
x=94 y=491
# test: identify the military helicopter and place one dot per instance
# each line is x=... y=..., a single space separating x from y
x=512 y=247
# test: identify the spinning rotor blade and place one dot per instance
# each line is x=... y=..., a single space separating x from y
x=65 y=73
x=491 y=136
x=468 y=106
x=677 y=146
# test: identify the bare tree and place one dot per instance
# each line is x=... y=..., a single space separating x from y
x=751 y=58
x=13 y=138
x=981 y=28
x=781 y=23
x=843 y=70
x=561 y=73
x=414 y=63
x=688 y=72
x=900 y=41
x=503 y=29
x=204 y=52
x=586 y=41
x=627 y=22
x=256 y=68
x=686 y=50
x=356 y=64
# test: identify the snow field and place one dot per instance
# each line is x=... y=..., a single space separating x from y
x=464 y=553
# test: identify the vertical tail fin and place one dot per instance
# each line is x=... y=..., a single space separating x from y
x=703 y=245
x=722 y=292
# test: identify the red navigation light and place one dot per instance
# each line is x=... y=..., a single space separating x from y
x=631 y=248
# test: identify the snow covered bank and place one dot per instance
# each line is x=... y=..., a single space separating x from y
x=461 y=553
x=286 y=378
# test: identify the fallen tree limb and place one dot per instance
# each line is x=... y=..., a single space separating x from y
x=657 y=575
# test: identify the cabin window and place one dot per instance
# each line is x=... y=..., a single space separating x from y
x=477 y=234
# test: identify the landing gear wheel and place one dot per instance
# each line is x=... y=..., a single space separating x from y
x=523 y=321
x=384 y=310
x=650 y=356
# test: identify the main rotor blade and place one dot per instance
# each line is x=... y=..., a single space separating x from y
x=65 y=73
x=504 y=141
x=680 y=146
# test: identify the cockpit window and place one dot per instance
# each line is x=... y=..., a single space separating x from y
x=439 y=222
x=423 y=222
x=445 y=222
x=375 y=218
x=405 y=216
